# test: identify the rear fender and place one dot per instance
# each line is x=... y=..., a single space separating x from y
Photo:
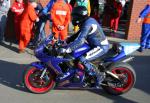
x=130 y=47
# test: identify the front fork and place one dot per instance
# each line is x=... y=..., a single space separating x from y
x=40 y=66
x=43 y=73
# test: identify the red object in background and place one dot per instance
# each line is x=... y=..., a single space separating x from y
x=114 y=19
x=17 y=8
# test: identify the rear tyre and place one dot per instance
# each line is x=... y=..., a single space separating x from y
x=35 y=84
x=127 y=76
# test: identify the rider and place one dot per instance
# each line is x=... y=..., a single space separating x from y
x=90 y=32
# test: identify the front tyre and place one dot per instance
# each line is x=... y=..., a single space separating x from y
x=38 y=85
x=127 y=78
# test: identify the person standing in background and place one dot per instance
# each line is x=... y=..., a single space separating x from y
x=116 y=14
x=17 y=8
x=145 y=37
x=28 y=18
x=60 y=15
x=4 y=7
x=39 y=27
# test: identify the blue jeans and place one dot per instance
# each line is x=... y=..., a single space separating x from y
x=40 y=32
x=145 y=37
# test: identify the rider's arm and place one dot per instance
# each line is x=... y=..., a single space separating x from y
x=72 y=37
x=80 y=39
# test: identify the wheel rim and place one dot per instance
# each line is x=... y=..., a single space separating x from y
x=126 y=76
x=35 y=84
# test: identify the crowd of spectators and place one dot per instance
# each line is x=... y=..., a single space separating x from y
x=30 y=17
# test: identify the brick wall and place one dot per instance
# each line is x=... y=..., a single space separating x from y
x=134 y=30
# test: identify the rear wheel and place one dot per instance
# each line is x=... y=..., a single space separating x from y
x=35 y=84
x=127 y=78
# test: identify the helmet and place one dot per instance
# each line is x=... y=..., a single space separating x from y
x=79 y=15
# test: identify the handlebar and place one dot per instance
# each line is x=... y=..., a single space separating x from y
x=52 y=45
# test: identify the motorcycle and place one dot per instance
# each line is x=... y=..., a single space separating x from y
x=65 y=71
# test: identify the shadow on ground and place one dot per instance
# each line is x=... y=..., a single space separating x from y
x=9 y=46
x=11 y=75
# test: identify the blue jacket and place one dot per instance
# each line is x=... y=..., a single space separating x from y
x=145 y=11
x=91 y=32
x=145 y=14
x=48 y=7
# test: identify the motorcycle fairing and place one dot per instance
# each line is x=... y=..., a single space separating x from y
x=125 y=49
x=130 y=47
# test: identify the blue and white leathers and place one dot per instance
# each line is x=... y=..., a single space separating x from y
x=90 y=32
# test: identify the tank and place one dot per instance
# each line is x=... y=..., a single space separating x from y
x=81 y=50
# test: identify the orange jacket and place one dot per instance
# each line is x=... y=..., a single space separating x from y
x=145 y=14
x=60 y=13
x=28 y=18
x=147 y=19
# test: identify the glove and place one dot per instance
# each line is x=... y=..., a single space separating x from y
x=63 y=50
x=60 y=27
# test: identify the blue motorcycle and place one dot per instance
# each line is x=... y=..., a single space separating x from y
x=65 y=71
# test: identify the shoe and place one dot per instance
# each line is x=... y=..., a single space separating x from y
x=21 y=51
x=141 y=49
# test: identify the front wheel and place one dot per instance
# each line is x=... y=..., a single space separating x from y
x=35 y=84
x=127 y=78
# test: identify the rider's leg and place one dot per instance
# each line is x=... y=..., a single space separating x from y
x=92 y=55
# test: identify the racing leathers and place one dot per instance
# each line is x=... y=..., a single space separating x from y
x=90 y=32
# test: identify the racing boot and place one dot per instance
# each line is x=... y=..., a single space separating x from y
x=93 y=71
